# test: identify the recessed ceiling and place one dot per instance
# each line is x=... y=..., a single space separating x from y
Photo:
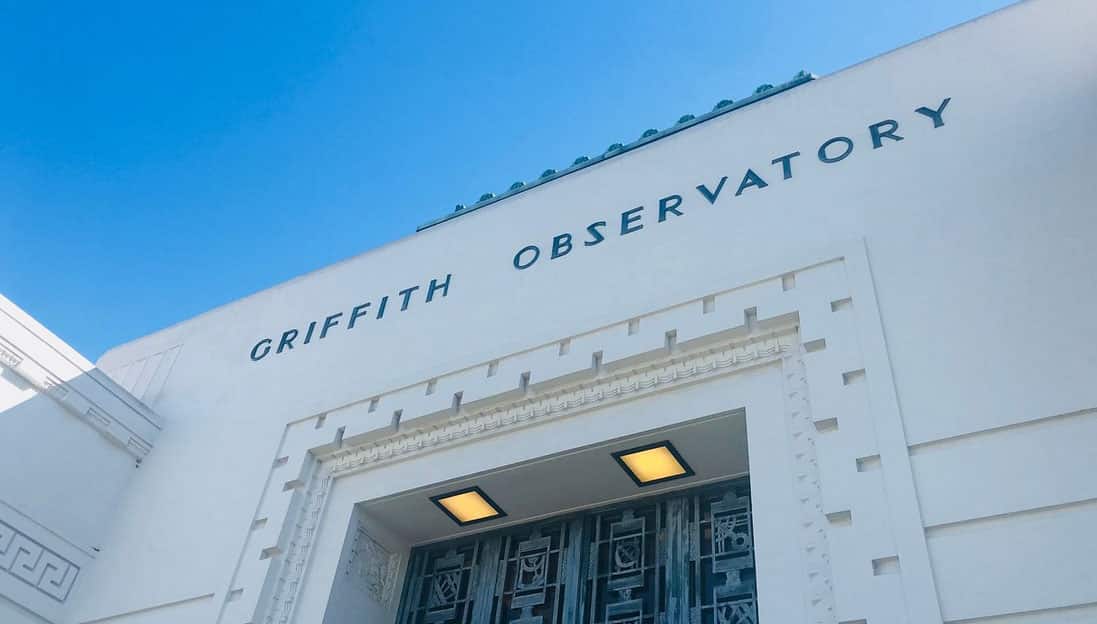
x=713 y=447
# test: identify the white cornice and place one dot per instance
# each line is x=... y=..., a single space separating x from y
x=55 y=369
x=564 y=400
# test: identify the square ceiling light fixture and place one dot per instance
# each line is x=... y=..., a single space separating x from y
x=468 y=506
x=653 y=463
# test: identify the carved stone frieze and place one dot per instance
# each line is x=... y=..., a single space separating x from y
x=89 y=407
x=561 y=402
x=671 y=370
x=372 y=565
x=34 y=564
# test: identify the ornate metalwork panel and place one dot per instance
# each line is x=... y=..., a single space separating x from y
x=681 y=558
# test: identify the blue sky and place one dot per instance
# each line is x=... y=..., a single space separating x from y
x=160 y=159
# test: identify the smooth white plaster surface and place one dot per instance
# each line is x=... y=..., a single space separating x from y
x=981 y=239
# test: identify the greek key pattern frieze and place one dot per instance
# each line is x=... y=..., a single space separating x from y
x=34 y=564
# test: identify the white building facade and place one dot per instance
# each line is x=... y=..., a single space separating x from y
x=858 y=309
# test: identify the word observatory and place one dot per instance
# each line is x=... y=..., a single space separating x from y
x=833 y=150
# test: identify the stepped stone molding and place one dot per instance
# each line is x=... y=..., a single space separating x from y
x=801 y=319
x=291 y=572
x=119 y=430
x=49 y=366
x=814 y=549
x=751 y=352
x=36 y=565
x=562 y=403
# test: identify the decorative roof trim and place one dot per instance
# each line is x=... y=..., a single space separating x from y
x=551 y=174
x=54 y=370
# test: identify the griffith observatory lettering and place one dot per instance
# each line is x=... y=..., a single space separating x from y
x=833 y=150
x=781 y=167
x=361 y=314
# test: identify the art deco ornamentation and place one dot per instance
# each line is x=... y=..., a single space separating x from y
x=445 y=587
x=813 y=536
x=36 y=565
x=373 y=565
x=68 y=397
x=628 y=537
x=730 y=533
x=9 y=358
x=692 y=367
x=620 y=565
x=524 y=412
x=736 y=612
x=532 y=575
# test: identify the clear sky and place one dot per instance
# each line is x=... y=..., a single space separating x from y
x=160 y=159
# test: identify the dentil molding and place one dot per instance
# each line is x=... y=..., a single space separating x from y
x=667 y=372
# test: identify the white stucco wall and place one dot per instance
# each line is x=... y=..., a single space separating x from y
x=79 y=502
x=72 y=440
x=979 y=241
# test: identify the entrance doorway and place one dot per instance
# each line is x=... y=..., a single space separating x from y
x=685 y=557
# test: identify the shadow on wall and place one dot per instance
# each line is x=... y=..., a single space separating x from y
x=65 y=468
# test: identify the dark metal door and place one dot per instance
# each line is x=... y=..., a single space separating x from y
x=681 y=558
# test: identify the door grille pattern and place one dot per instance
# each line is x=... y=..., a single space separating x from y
x=682 y=558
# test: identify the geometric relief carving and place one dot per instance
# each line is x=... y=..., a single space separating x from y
x=29 y=373
x=627 y=569
x=447 y=587
x=36 y=565
x=814 y=547
x=692 y=367
x=9 y=358
x=681 y=558
x=736 y=612
x=727 y=579
x=732 y=555
x=689 y=368
x=373 y=566
x=531 y=575
x=731 y=534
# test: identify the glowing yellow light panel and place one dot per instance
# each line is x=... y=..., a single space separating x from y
x=468 y=506
x=654 y=463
